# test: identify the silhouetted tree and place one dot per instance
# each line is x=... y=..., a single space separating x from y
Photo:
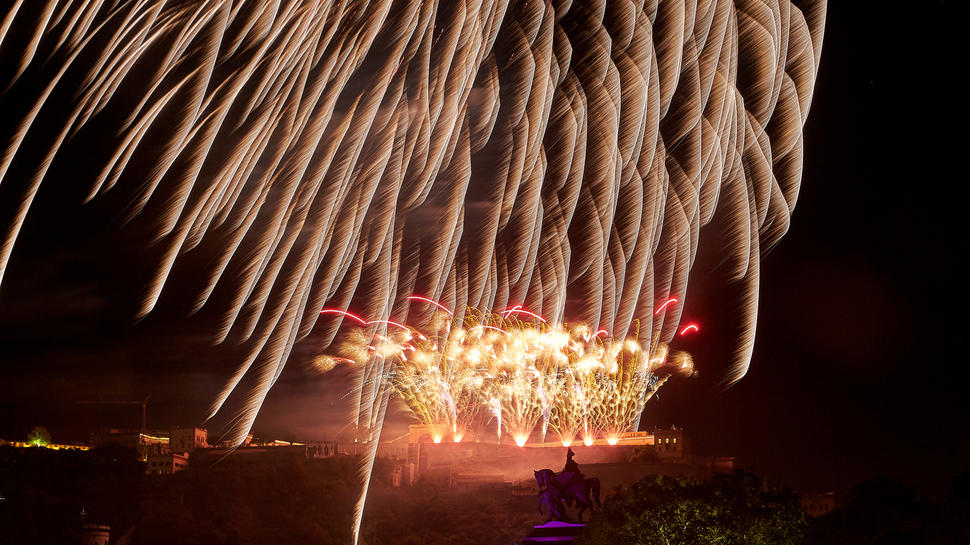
x=728 y=509
x=39 y=437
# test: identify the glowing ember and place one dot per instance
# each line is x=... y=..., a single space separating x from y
x=690 y=328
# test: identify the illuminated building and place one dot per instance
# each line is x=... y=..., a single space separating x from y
x=471 y=461
x=188 y=439
x=671 y=443
x=167 y=463
x=144 y=443
x=51 y=446
x=321 y=449
x=397 y=475
x=420 y=433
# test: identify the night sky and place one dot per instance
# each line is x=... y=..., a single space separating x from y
x=855 y=373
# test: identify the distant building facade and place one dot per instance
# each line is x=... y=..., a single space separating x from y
x=397 y=475
x=421 y=433
x=473 y=462
x=671 y=443
x=816 y=505
x=167 y=463
x=321 y=449
x=188 y=439
x=144 y=443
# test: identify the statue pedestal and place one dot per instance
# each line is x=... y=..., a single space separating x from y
x=553 y=532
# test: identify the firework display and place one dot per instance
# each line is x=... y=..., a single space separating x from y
x=486 y=153
x=281 y=157
x=496 y=374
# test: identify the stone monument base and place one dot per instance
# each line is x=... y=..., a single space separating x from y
x=553 y=532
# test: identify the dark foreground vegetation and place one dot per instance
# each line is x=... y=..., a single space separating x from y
x=727 y=509
x=292 y=500
x=240 y=500
x=738 y=509
x=234 y=501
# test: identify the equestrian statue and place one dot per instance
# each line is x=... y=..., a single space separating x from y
x=560 y=490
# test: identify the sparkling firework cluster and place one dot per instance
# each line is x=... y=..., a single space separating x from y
x=512 y=374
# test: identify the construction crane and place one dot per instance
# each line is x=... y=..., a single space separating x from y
x=143 y=403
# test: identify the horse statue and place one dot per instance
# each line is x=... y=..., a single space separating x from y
x=556 y=491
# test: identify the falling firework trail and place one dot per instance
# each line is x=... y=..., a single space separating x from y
x=367 y=463
x=348 y=154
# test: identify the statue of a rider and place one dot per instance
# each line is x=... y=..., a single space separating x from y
x=571 y=464
x=559 y=491
x=570 y=471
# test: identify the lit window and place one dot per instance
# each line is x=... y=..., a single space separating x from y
x=675 y=439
